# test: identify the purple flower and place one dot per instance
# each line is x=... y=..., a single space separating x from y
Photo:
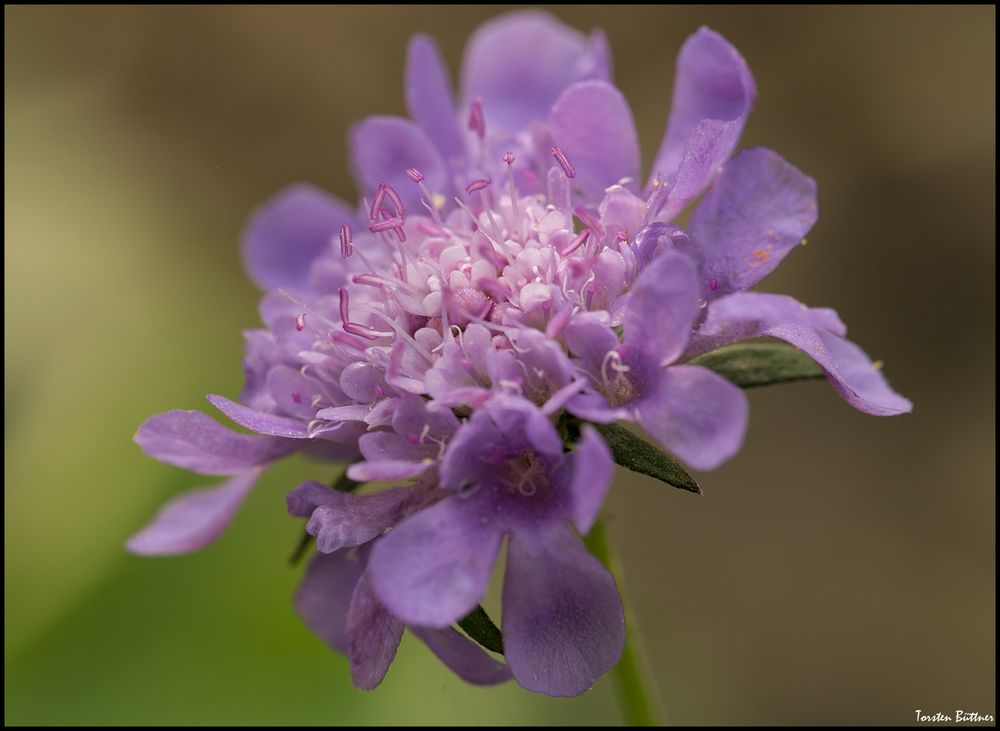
x=692 y=412
x=335 y=598
x=417 y=339
x=507 y=475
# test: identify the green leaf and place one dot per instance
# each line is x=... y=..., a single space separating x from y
x=760 y=364
x=640 y=456
x=345 y=484
x=300 y=550
x=478 y=625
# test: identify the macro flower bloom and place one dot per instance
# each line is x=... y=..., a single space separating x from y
x=506 y=274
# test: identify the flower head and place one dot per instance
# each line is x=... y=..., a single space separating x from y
x=504 y=270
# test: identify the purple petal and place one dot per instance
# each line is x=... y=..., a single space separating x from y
x=307 y=497
x=288 y=233
x=590 y=339
x=622 y=210
x=592 y=123
x=260 y=421
x=544 y=367
x=433 y=568
x=360 y=381
x=429 y=98
x=196 y=442
x=387 y=469
x=593 y=468
x=661 y=308
x=594 y=407
x=382 y=148
x=351 y=412
x=373 y=637
x=708 y=146
x=609 y=281
x=712 y=82
x=695 y=414
x=193 y=519
x=656 y=238
x=463 y=656
x=517 y=419
x=756 y=212
x=462 y=463
x=415 y=421
x=323 y=597
x=292 y=392
x=850 y=371
x=563 y=623
x=520 y=62
x=345 y=520
x=262 y=352
x=383 y=445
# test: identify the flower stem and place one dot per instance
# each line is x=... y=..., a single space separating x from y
x=636 y=695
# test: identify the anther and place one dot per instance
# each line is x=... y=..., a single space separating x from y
x=300 y=322
x=576 y=243
x=415 y=175
x=476 y=122
x=589 y=220
x=477 y=185
x=346 y=242
x=377 y=202
x=345 y=304
x=563 y=161
x=397 y=202
x=387 y=224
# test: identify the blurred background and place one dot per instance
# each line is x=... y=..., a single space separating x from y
x=839 y=570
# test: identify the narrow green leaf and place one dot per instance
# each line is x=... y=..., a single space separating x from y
x=345 y=484
x=640 y=456
x=300 y=550
x=478 y=626
x=760 y=364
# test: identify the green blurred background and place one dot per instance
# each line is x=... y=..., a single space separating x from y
x=839 y=570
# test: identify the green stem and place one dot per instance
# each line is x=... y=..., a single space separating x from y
x=636 y=696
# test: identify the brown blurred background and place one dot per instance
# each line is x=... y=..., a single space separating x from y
x=840 y=570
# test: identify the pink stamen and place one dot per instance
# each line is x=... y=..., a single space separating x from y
x=342 y=338
x=397 y=202
x=300 y=322
x=621 y=236
x=563 y=161
x=377 y=202
x=362 y=331
x=369 y=280
x=509 y=159
x=425 y=228
x=415 y=175
x=386 y=225
x=476 y=122
x=297 y=397
x=346 y=242
x=477 y=185
x=588 y=219
x=345 y=305
x=713 y=284
x=576 y=243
